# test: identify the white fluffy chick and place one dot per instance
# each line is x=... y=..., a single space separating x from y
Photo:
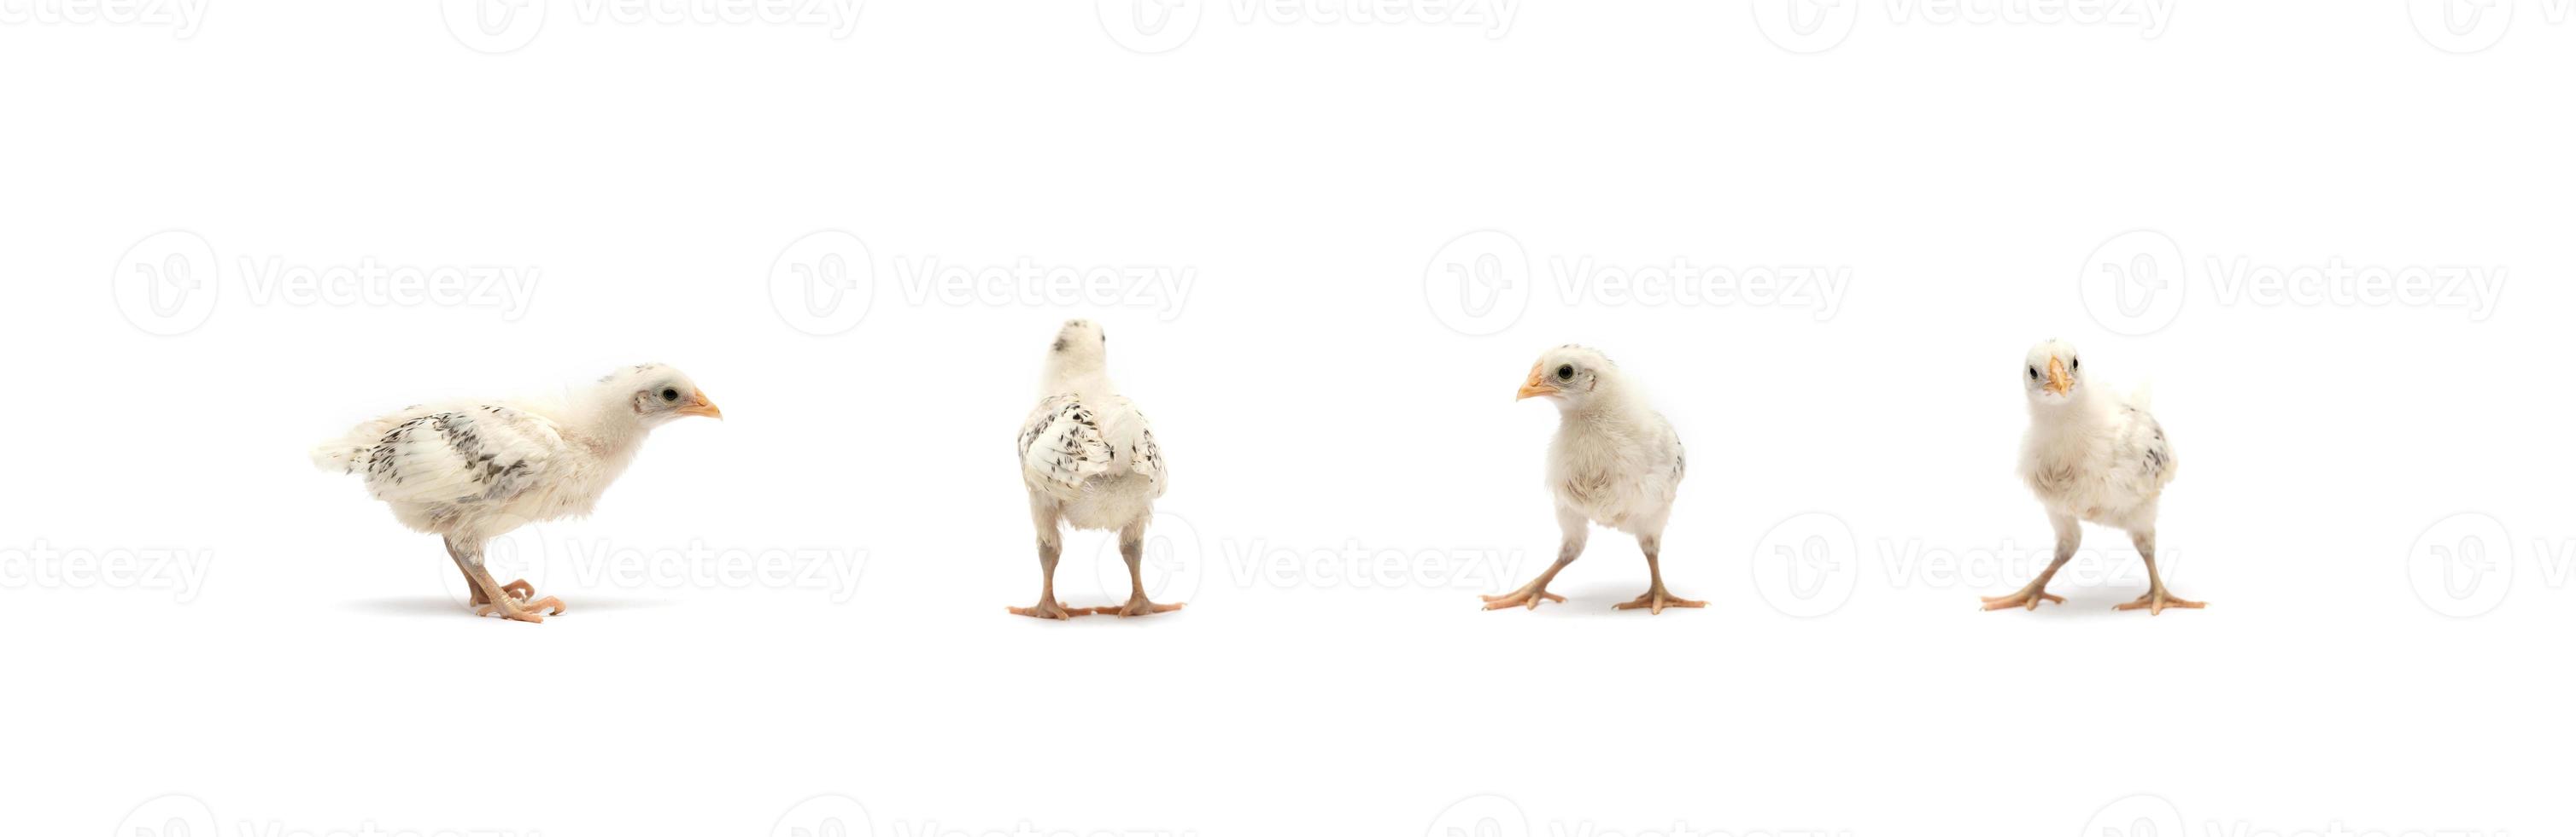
x=469 y=471
x=1615 y=462
x=1089 y=460
x=2091 y=456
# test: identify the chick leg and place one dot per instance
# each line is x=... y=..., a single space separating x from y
x=1131 y=545
x=1050 y=545
x=1656 y=597
x=2156 y=599
x=519 y=589
x=495 y=597
x=2070 y=534
x=1576 y=530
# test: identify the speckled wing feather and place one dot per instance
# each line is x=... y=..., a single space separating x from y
x=2145 y=454
x=1143 y=456
x=469 y=456
x=1065 y=444
x=1061 y=446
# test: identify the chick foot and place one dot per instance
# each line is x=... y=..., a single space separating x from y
x=1530 y=596
x=1138 y=606
x=1655 y=600
x=523 y=611
x=2155 y=602
x=1048 y=609
x=519 y=589
x=2026 y=599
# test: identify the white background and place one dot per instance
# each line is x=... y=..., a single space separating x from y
x=1965 y=173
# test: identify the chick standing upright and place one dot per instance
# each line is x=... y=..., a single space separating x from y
x=1615 y=461
x=2095 y=457
x=470 y=471
x=1089 y=460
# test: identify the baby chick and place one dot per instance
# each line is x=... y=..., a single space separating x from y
x=2095 y=457
x=1089 y=460
x=470 y=471
x=1615 y=462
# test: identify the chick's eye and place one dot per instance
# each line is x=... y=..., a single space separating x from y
x=2034 y=373
x=2077 y=363
x=1565 y=373
x=670 y=395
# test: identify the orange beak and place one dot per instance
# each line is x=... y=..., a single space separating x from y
x=699 y=406
x=2058 y=382
x=1536 y=385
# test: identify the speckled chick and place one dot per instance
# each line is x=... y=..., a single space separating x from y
x=469 y=471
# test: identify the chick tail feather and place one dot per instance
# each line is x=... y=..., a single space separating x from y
x=337 y=456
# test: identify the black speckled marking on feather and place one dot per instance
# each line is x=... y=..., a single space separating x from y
x=456 y=431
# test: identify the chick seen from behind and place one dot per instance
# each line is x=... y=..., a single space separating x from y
x=1089 y=461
